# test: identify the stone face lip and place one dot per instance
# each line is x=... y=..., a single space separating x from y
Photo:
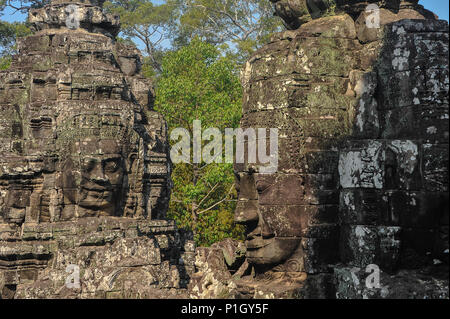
x=86 y=15
x=297 y=12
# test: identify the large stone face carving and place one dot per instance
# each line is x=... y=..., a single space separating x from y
x=84 y=166
x=268 y=208
x=87 y=126
x=359 y=112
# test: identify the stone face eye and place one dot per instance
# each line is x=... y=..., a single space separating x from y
x=261 y=186
x=89 y=165
x=112 y=166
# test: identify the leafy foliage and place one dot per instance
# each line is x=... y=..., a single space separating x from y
x=23 y=5
x=9 y=32
x=197 y=83
x=147 y=23
x=241 y=25
x=5 y=62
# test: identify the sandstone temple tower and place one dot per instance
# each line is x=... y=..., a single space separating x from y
x=359 y=92
x=84 y=165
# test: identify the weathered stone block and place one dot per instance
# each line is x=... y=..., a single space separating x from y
x=362 y=245
x=319 y=253
x=435 y=167
x=361 y=165
x=358 y=245
x=365 y=207
x=357 y=283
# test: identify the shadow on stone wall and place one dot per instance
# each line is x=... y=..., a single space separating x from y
x=363 y=167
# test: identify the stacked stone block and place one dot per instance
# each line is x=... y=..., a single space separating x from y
x=84 y=167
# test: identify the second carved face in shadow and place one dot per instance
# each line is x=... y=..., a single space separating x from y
x=268 y=206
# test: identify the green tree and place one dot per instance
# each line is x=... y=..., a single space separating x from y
x=146 y=23
x=22 y=5
x=197 y=83
x=9 y=32
x=5 y=62
x=242 y=25
x=239 y=26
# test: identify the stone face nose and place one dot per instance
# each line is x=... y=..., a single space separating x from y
x=246 y=212
x=98 y=174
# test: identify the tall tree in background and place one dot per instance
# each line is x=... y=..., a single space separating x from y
x=242 y=25
x=239 y=26
x=9 y=32
x=146 y=23
x=197 y=83
x=23 y=5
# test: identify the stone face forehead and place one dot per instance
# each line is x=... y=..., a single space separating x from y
x=95 y=133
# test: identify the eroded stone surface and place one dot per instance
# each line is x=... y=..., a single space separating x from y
x=359 y=114
x=116 y=258
x=297 y=12
x=362 y=178
x=84 y=166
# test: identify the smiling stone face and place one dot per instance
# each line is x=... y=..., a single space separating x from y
x=78 y=136
x=94 y=174
x=99 y=185
x=102 y=179
x=268 y=207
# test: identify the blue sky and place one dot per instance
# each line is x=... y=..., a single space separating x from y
x=440 y=7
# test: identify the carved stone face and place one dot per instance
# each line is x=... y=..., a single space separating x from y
x=102 y=179
x=268 y=207
x=95 y=181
